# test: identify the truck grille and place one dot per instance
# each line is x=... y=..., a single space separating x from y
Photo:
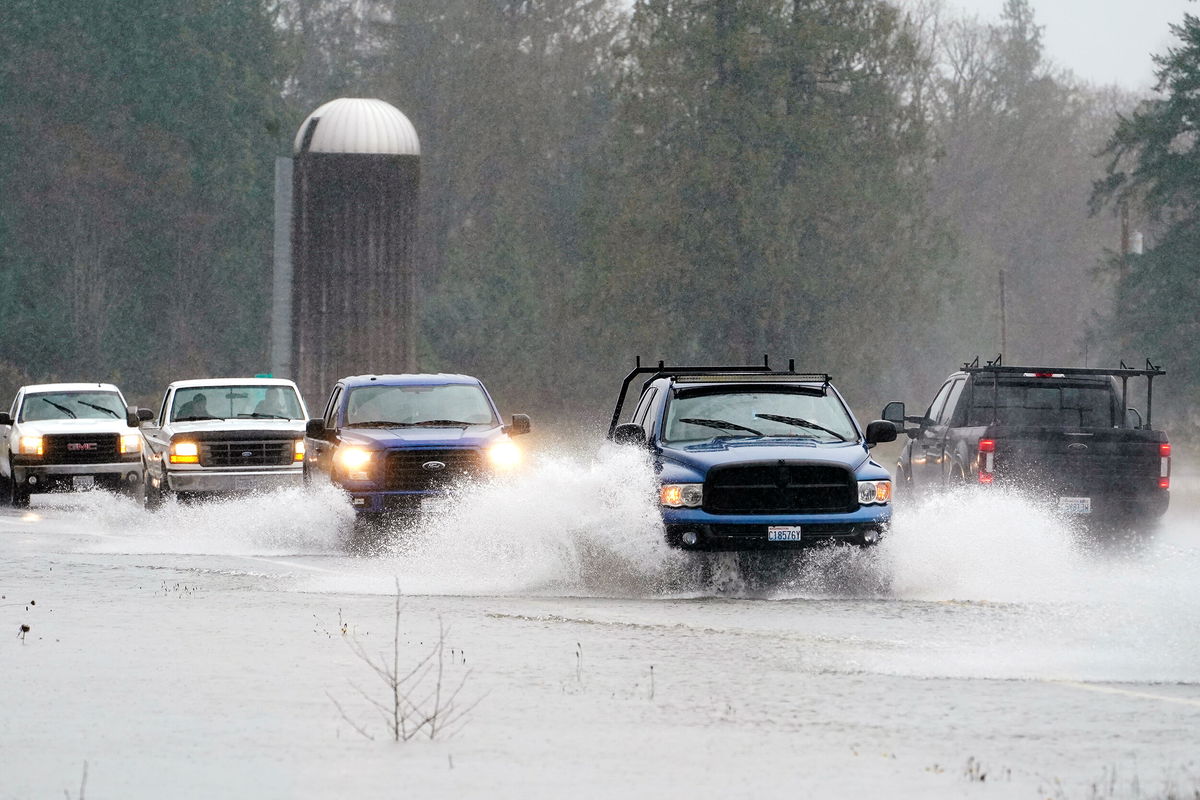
x=250 y=453
x=780 y=489
x=406 y=470
x=80 y=448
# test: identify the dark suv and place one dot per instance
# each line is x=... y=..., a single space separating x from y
x=750 y=458
x=393 y=440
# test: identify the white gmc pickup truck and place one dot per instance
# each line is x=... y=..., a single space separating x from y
x=224 y=435
x=67 y=436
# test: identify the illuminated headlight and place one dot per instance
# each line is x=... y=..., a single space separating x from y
x=185 y=453
x=31 y=445
x=298 y=450
x=352 y=458
x=874 y=492
x=681 y=495
x=131 y=443
x=504 y=455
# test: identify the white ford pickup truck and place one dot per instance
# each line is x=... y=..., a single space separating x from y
x=224 y=435
x=67 y=436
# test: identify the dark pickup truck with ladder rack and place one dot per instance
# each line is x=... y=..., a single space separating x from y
x=1065 y=435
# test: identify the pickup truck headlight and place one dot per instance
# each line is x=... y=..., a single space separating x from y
x=872 y=493
x=31 y=446
x=131 y=443
x=681 y=495
x=504 y=455
x=353 y=457
x=298 y=450
x=185 y=453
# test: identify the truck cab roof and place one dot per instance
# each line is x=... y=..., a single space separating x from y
x=409 y=379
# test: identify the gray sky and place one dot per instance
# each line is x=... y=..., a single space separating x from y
x=1102 y=41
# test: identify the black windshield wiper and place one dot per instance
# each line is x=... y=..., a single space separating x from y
x=98 y=408
x=802 y=423
x=261 y=415
x=720 y=424
x=63 y=409
x=443 y=423
x=195 y=417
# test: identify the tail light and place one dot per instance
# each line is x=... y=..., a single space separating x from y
x=987 y=460
x=1164 y=465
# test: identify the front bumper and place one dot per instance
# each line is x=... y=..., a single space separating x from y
x=220 y=481
x=389 y=502
x=750 y=532
x=53 y=477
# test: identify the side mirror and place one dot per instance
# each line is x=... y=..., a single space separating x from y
x=629 y=433
x=144 y=415
x=1133 y=418
x=894 y=412
x=879 y=431
x=5 y=418
x=315 y=428
x=520 y=425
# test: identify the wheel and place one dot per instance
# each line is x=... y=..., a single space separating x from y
x=155 y=496
x=16 y=493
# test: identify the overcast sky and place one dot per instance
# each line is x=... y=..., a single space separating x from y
x=1103 y=41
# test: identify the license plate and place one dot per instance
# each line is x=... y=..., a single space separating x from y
x=1075 y=505
x=783 y=533
x=83 y=481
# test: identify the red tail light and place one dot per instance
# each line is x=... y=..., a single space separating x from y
x=1164 y=468
x=987 y=455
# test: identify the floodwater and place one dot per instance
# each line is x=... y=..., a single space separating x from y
x=241 y=649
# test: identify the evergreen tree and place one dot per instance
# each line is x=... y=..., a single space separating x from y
x=1154 y=164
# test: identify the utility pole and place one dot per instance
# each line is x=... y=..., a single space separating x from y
x=1122 y=274
x=1003 y=322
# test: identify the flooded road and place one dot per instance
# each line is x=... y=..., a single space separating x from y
x=233 y=649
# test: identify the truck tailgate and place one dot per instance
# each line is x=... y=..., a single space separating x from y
x=1083 y=461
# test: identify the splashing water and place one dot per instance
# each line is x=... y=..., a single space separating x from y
x=565 y=525
x=282 y=522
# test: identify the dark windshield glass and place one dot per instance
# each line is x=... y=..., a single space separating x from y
x=1042 y=403
x=703 y=415
x=72 y=405
x=236 y=402
x=413 y=405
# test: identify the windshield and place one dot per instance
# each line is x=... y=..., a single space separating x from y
x=700 y=415
x=72 y=405
x=1039 y=403
x=235 y=402
x=449 y=404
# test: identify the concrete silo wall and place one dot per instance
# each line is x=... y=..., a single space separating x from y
x=353 y=305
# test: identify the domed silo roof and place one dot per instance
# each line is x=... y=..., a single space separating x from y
x=358 y=125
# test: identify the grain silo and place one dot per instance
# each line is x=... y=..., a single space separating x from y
x=356 y=172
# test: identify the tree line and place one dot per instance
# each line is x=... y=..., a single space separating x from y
x=842 y=182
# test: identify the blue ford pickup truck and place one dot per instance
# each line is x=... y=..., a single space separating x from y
x=392 y=440
x=751 y=458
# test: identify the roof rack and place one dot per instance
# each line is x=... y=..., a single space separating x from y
x=996 y=368
x=713 y=374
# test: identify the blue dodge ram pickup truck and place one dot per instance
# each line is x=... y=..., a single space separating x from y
x=751 y=458
x=392 y=440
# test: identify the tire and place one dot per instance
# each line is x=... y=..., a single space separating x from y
x=155 y=496
x=16 y=494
